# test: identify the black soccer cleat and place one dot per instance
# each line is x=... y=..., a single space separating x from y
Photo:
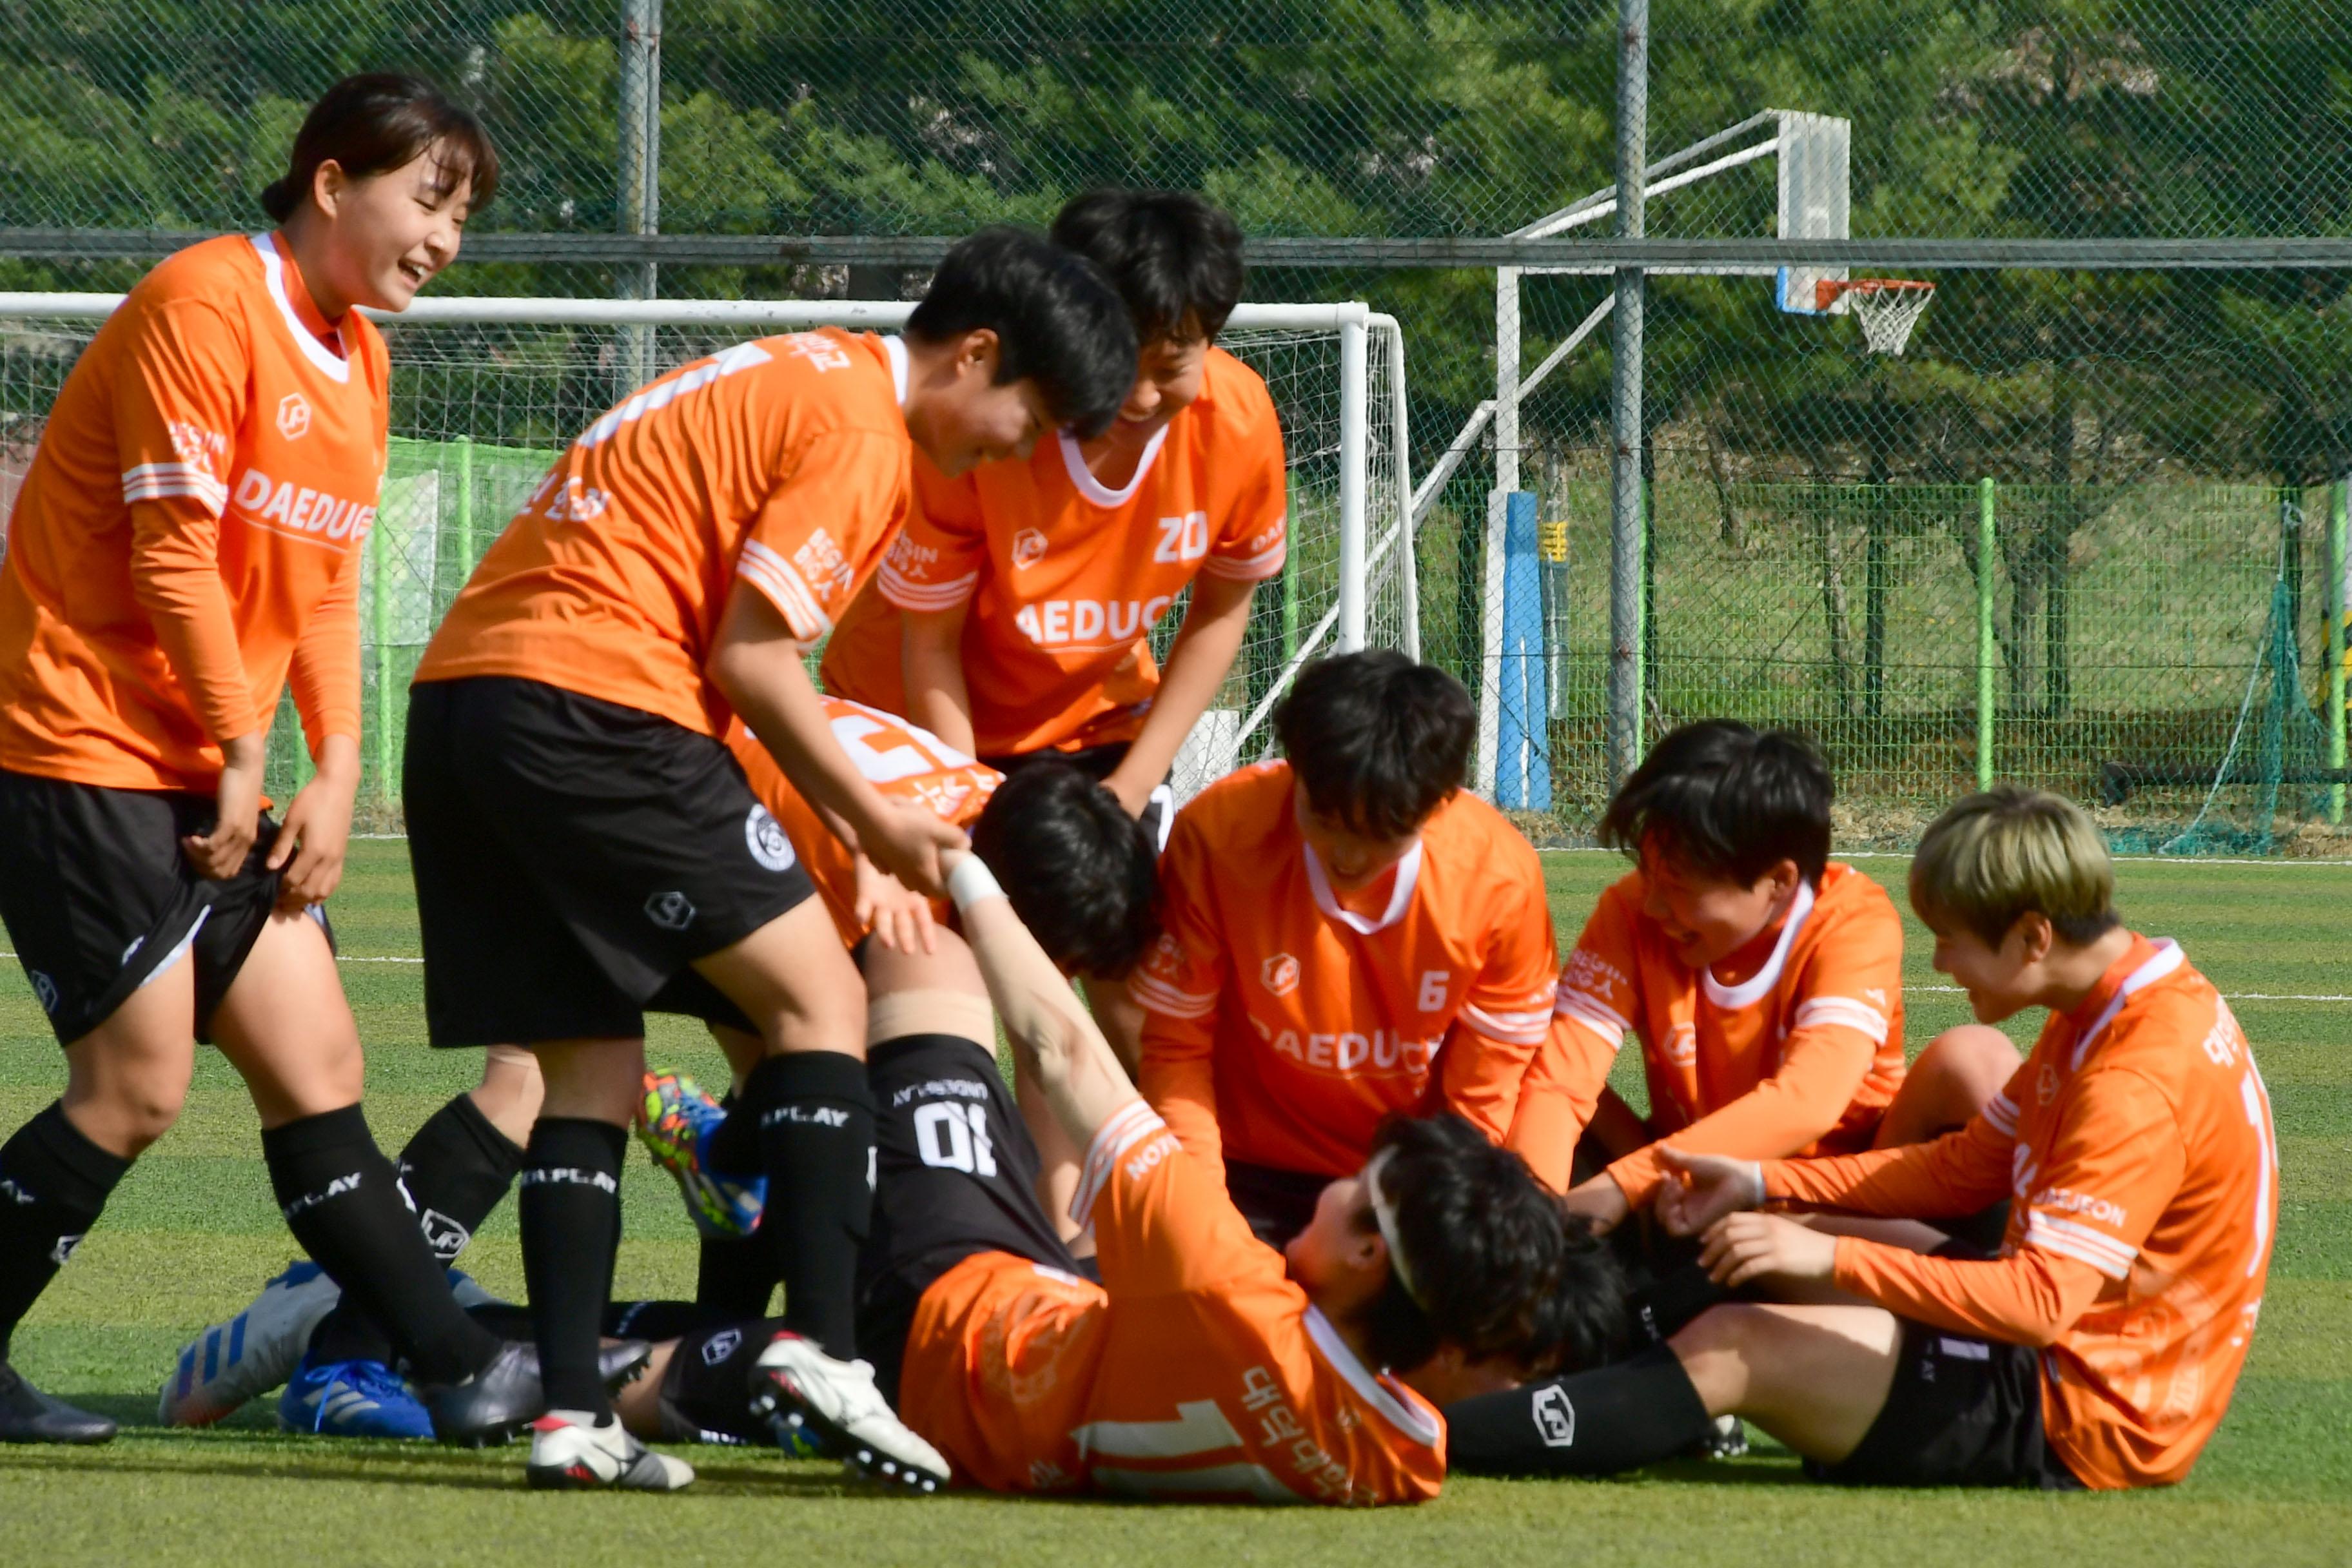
x=28 y=1415
x=504 y=1397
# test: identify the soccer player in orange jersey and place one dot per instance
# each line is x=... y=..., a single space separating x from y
x=1349 y=936
x=1011 y=618
x=186 y=544
x=585 y=847
x=2097 y=1347
x=1764 y=980
x=1205 y=1365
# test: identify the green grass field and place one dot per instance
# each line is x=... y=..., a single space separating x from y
x=193 y=1232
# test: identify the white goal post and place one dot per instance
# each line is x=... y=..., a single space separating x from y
x=487 y=391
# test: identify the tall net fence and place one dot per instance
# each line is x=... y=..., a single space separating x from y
x=2089 y=527
x=481 y=410
x=2158 y=117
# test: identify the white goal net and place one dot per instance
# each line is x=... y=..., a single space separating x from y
x=487 y=393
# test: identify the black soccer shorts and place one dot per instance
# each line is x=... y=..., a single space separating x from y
x=573 y=858
x=955 y=1174
x=1963 y=1411
x=98 y=899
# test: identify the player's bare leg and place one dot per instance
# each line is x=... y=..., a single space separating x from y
x=285 y=1026
x=1814 y=1378
x=1954 y=1078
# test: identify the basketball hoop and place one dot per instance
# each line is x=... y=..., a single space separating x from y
x=1889 y=307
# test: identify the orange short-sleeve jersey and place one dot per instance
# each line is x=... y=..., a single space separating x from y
x=1316 y=1020
x=901 y=759
x=211 y=405
x=782 y=462
x=1832 y=986
x=1196 y=1371
x=1063 y=578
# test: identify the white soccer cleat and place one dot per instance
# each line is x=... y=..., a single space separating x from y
x=800 y=1388
x=252 y=1353
x=570 y=1451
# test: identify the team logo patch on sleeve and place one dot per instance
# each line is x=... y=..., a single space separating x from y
x=766 y=839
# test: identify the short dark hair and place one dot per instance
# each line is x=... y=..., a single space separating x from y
x=1728 y=800
x=1081 y=874
x=1057 y=320
x=1175 y=258
x=374 y=123
x=1489 y=1249
x=1379 y=741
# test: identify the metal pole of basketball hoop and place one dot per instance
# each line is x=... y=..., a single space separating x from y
x=1625 y=398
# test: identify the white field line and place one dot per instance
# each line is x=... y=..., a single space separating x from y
x=1905 y=855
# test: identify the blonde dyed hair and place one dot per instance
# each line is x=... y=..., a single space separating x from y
x=2009 y=851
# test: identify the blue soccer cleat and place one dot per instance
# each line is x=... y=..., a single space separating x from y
x=352 y=1399
x=252 y=1353
x=675 y=1121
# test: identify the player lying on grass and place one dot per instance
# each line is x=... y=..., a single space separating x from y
x=1013 y=617
x=2097 y=1347
x=1206 y=1364
x=1764 y=980
x=1077 y=868
x=1349 y=936
x=585 y=847
x=187 y=543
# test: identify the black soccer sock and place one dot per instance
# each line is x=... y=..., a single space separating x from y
x=735 y=1276
x=569 y=1206
x=342 y=1203
x=708 y=1388
x=734 y=1147
x=1621 y=1418
x=453 y=1171
x=816 y=1116
x=53 y=1187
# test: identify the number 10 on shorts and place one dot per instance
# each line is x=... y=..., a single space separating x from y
x=952 y=1137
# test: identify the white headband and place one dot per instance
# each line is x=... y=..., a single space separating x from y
x=1384 y=1215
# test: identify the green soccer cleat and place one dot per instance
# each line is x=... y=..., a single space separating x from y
x=675 y=1121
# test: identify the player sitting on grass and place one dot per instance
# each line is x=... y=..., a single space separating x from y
x=1764 y=981
x=584 y=845
x=1348 y=935
x=1012 y=618
x=2098 y=1346
x=1206 y=1364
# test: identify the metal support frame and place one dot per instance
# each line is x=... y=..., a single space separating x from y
x=639 y=173
x=1625 y=541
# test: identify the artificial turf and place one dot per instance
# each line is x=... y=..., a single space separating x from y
x=193 y=1232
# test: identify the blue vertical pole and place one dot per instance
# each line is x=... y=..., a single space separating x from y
x=1523 y=750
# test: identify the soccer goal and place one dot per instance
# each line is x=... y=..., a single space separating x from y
x=487 y=392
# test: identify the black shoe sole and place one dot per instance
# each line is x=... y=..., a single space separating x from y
x=81 y=1437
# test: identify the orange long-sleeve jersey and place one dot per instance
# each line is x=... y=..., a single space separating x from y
x=899 y=758
x=1065 y=578
x=1196 y=1371
x=2136 y=1149
x=188 y=537
x=782 y=462
x=1281 y=1027
x=1802 y=1057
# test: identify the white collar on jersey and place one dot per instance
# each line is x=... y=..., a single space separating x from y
x=273 y=268
x=1760 y=985
x=1408 y=876
x=1093 y=489
x=895 y=348
x=1401 y=1414
x=2168 y=957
